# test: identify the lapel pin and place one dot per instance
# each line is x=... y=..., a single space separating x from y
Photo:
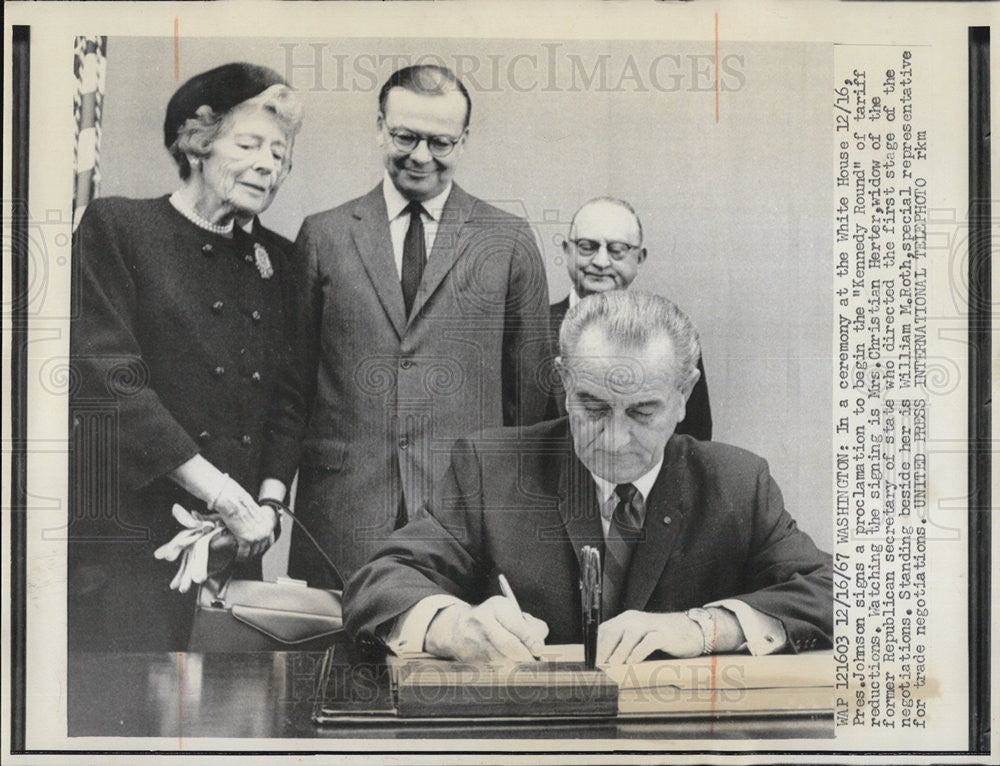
x=667 y=519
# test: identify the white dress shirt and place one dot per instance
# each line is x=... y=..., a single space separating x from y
x=764 y=634
x=399 y=219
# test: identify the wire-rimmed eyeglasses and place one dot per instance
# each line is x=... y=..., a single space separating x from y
x=616 y=250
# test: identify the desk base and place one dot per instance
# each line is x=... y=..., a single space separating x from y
x=183 y=697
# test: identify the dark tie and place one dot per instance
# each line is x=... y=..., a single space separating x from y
x=623 y=536
x=414 y=255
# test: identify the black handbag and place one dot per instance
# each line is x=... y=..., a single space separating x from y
x=258 y=616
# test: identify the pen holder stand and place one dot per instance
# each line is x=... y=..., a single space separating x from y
x=590 y=641
x=590 y=602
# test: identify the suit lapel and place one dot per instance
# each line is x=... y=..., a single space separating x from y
x=668 y=511
x=557 y=313
x=578 y=506
x=370 y=231
x=447 y=245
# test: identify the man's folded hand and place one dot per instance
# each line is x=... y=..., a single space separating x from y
x=632 y=636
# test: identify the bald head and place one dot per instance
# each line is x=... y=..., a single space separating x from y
x=604 y=248
x=612 y=207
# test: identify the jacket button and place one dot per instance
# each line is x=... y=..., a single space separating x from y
x=204 y=436
x=217 y=307
x=255 y=316
x=247 y=441
x=206 y=249
x=406 y=364
x=219 y=371
x=255 y=377
x=404 y=443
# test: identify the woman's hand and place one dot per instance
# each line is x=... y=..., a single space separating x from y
x=251 y=524
x=240 y=513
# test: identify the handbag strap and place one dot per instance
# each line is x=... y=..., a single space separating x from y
x=281 y=509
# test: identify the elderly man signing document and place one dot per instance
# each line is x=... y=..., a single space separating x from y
x=699 y=553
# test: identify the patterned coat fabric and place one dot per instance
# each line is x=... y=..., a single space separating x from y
x=176 y=341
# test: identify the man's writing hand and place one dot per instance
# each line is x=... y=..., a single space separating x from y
x=632 y=636
x=494 y=630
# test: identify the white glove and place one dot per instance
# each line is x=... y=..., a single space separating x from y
x=191 y=544
x=198 y=558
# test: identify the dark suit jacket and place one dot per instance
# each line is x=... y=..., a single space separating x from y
x=697 y=420
x=523 y=505
x=374 y=400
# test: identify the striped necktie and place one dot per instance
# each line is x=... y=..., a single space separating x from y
x=623 y=537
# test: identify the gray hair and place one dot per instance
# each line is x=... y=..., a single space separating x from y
x=198 y=133
x=624 y=204
x=632 y=318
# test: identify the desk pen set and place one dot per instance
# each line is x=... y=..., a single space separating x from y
x=590 y=601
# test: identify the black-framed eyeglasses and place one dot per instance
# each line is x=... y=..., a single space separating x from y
x=616 y=250
x=407 y=141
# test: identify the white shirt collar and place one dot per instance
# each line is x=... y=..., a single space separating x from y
x=573 y=297
x=395 y=203
x=644 y=484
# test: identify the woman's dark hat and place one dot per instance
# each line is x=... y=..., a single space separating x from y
x=221 y=88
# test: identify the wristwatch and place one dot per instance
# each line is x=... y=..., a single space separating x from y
x=706 y=621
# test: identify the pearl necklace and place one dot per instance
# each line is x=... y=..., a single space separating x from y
x=179 y=205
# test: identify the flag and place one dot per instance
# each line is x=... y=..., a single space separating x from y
x=89 y=66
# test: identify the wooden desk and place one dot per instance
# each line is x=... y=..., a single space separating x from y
x=271 y=695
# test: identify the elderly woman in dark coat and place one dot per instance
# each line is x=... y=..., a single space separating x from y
x=176 y=338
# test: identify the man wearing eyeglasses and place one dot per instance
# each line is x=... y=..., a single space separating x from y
x=422 y=316
x=604 y=252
